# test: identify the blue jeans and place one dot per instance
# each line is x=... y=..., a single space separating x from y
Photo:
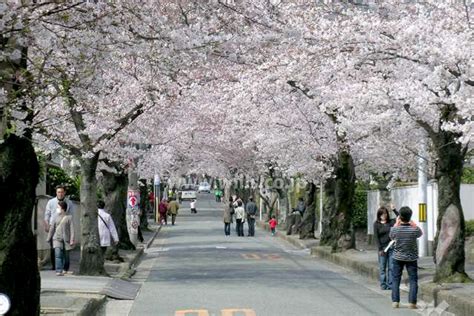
x=412 y=269
x=227 y=229
x=62 y=259
x=386 y=270
x=240 y=227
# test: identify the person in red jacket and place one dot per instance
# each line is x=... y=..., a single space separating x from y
x=163 y=209
x=273 y=224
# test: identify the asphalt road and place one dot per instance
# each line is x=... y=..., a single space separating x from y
x=193 y=269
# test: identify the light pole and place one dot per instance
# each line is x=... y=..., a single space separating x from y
x=156 y=195
x=321 y=208
x=423 y=198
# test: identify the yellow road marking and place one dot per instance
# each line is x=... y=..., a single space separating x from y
x=232 y=311
x=254 y=256
x=251 y=256
x=273 y=256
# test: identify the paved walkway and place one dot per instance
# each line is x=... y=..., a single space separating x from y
x=84 y=295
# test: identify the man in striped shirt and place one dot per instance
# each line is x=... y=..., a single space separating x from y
x=405 y=232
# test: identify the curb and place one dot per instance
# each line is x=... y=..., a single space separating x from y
x=129 y=267
x=367 y=270
x=148 y=244
x=294 y=241
x=92 y=306
x=457 y=303
x=437 y=295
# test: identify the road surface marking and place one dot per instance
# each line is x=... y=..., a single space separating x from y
x=251 y=256
x=254 y=256
x=200 y=312
x=232 y=311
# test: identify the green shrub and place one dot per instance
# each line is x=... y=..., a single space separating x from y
x=57 y=176
x=468 y=175
x=470 y=228
x=359 y=219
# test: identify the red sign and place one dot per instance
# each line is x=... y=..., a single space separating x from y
x=133 y=198
x=132 y=201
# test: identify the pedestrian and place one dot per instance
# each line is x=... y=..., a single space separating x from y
x=163 y=210
x=218 y=194
x=273 y=225
x=228 y=211
x=107 y=231
x=251 y=210
x=139 y=228
x=240 y=218
x=405 y=254
x=61 y=234
x=382 y=227
x=50 y=215
x=173 y=208
x=193 y=206
x=301 y=207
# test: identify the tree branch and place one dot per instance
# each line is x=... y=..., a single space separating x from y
x=123 y=122
x=427 y=127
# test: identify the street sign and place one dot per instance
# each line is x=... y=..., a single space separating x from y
x=422 y=214
x=157 y=179
x=133 y=198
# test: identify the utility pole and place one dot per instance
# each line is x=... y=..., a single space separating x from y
x=423 y=198
x=156 y=195
x=321 y=208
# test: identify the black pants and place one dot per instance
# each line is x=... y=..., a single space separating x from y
x=52 y=253
x=240 y=227
x=173 y=219
x=227 y=229
x=251 y=224
x=140 y=235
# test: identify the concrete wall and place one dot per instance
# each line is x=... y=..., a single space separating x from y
x=41 y=235
x=408 y=196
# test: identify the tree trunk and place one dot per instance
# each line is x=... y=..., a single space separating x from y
x=329 y=212
x=341 y=233
x=449 y=240
x=306 y=226
x=92 y=261
x=115 y=192
x=132 y=213
x=19 y=276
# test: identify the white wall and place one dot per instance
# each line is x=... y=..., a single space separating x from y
x=408 y=196
x=467 y=201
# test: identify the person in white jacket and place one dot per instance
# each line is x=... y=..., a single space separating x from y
x=107 y=230
x=240 y=218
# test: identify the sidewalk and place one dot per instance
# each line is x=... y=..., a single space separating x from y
x=453 y=298
x=84 y=295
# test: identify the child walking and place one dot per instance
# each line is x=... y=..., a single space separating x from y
x=193 y=206
x=62 y=234
x=273 y=224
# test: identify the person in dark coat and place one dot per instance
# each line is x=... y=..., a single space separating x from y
x=251 y=210
x=382 y=227
x=228 y=217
